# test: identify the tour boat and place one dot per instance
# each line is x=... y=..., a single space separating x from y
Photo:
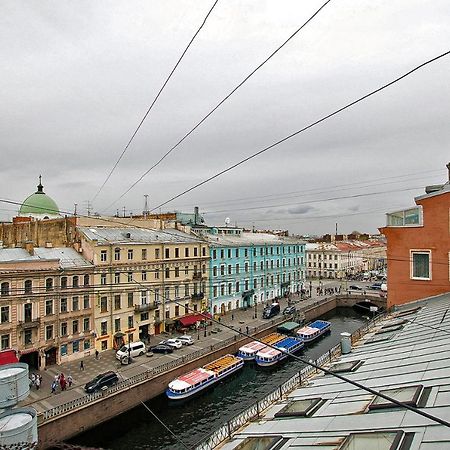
x=248 y=351
x=203 y=377
x=313 y=330
x=270 y=356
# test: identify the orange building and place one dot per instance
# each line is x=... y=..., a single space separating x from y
x=418 y=247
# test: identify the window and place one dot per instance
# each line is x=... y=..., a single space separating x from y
x=214 y=291
x=195 y=251
x=186 y=270
x=203 y=251
x=167 y=272
x=304 y=408
x=144 y=316
x=64 y=350
x=130 y=299
x=87 y=344
x=86 y=280
x=63 y=328
x=75 y=346
x=86 y=324
x=214 y=271
x=380 y=440
x=186 y=308
x=230 y=288
x=4 y=289
x=168 y=314
x=117 y=304
x=144 y=254
x=236 y=253
x=103 y=304
x=167 y=294
x=86 y=302
x=103 y=279
x=103 y=255
x=4 y=342
x=222 y=270
x=177 y=272
x=117 y=254
x=407 y=394
x=130 y=254
x=75 y=304
x=28 y=285
x=222 y=289
x=214 y=254
x=49 y=284
x=245 y=252
x=177 y=291
x=177 y=310
x=75 y=281
x=74 y=326
x=157 y=253
x=4 y=314
x=420 y=267
x=229 y=253
x=49 y=332
x=156 y=274
x=177 y=252
x=144 y=275
x=156 y=291
x=130 y=321
x=48 y=307
x=143 y=297
x=130 y=277
x=117 y=278
x=104 y=328
x=186 y=252
x=237 y=287
x=186 y=289
x=63 y=305
x=167 y=253
x=104 y=345
x=230 y=269
x=237 y=269
x=203 y=268
x=116 y=325
x=246 y=267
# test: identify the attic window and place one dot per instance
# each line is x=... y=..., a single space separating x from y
x=388 y=440
x=262 y=443
x=407 y=394
x=349 y=366
x=303 y=408
x=389 y=329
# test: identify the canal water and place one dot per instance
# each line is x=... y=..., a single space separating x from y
x=195 y=418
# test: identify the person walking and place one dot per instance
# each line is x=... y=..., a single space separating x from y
x=54 y=384
x=37 y=382
x=96 y=354
x=81 y=365
x=69 y=380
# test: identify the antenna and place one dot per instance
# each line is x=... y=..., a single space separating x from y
x=88 y=207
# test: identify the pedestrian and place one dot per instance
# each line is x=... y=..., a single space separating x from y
x=37 y=383
x=69 y=380
x=219 y=319
x=62 y=382
x=232 y=316
x=33 y=379
x=246 y=328
x=96 y=354
x=81 y=365
x=54 y=384
x=40 y=379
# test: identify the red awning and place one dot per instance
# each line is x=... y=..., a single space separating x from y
x=186 y=321
x=8 y=357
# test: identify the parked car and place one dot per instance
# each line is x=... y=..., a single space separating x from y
x=162 y=348
x=376 y=286
x=355 y=287
x=101 y=382
x=289 y=310
x=186 y=340
x=271 y=310
x=173 y=342
x=132 y=349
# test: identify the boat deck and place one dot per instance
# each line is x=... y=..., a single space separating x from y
x=307 y=331
x=272 y=338
x=288 y=343
x=222 y=363
x=320 y=324
x=196 y=376
x=252 y=347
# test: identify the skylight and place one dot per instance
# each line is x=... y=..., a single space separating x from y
x=373 y=441
x=262 y=443
x=303 y=408
x=407 y=394
x=348 y=366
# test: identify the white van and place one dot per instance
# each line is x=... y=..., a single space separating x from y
x=136 y=349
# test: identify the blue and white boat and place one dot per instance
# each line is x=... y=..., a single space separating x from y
x=313 y=330
x=270 y=356
x=248 y=351
x=199 y=379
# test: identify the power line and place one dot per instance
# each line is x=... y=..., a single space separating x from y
x=295 y=133
x=154 y=100
x=219 y=104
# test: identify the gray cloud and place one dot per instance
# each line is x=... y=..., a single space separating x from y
x=299 y=210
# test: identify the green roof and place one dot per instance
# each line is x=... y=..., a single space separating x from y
x=39 y=203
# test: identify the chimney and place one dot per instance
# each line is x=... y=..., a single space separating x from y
x=196 y=215
x=29 y=247
x=448 y=168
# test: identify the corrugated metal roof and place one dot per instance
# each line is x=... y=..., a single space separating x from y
x=125 y=235
x=415 y=355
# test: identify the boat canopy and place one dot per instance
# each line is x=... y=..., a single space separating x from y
x=288 y=327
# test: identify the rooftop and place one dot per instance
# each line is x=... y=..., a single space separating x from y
x=249 y=239
x=400 y=358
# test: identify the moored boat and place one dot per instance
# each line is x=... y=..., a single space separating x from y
x=199 y=379
x=313 y=330
x=248 y=351
x=270 y=356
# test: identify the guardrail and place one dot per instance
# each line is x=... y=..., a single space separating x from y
x=254 y=411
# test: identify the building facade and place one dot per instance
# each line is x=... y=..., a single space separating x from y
x=46 y=301
x=418 y=247
x=145 y=280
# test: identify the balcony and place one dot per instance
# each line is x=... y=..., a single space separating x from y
x=29 y=323
x=198 y=296
x=145 y=307
x=404 y=218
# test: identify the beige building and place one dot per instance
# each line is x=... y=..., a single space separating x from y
x=45 y=304
x=145 y=280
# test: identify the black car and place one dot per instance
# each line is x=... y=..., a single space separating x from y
x=355 y=287
x=289 y=310
x=376 y=286
x=101 y=382
x=162 y=348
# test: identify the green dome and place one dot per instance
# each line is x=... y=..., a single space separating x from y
x=39 y=204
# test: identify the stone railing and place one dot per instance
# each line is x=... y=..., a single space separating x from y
x=254 y=411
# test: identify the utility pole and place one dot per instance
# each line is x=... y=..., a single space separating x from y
x=75 y=209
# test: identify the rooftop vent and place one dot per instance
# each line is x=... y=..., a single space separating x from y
x=128 y=235
x=433 y=188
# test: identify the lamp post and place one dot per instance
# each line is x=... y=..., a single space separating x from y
x=256 y=311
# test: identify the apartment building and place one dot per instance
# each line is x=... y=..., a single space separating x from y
x=145 y=280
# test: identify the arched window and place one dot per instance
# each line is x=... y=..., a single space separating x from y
x=86 y=280
x=28 y=285
x=63 y=282
x=75 y=281
x=49 y=284
x=4 y=288
x=117 y=254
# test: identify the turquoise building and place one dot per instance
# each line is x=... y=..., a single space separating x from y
x=248 y=268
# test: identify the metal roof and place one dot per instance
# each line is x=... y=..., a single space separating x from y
x=133 y=235
x=249 y=239
x=414 y=355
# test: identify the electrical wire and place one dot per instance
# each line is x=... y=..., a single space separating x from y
x=154 y=100
x=220 y=103
x=301 y=130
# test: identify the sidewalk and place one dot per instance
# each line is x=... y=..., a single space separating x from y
x=42 y=399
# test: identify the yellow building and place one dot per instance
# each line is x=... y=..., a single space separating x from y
x=145 y=280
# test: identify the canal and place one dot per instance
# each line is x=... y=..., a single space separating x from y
x=195 y=418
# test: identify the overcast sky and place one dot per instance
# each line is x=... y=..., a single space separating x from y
x=77 y=77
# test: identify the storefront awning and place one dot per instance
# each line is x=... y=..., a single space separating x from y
x=187 y=321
